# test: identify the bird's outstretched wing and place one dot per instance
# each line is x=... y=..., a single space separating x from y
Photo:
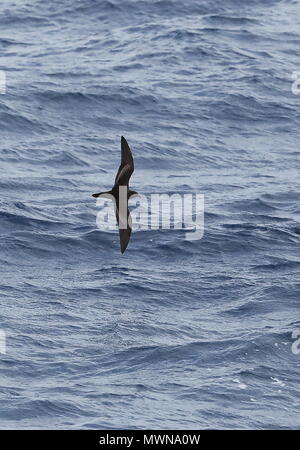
x=124 y=233
x=127 y=166
x=124 y=238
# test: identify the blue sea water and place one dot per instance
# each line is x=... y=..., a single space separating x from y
x=173 y=334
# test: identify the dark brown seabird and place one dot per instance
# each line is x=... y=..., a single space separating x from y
x=122 y=182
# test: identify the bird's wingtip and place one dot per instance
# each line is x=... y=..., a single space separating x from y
x=123 y=248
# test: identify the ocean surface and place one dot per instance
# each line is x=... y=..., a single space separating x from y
x=173 y=334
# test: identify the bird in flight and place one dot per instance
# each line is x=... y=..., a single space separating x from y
x=120 y=194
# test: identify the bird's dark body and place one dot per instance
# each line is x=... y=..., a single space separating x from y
x=115 y=192
x=122 y=182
